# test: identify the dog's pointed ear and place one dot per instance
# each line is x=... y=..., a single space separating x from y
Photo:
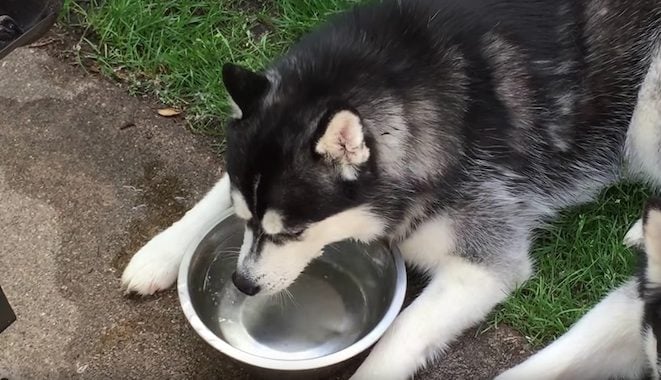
x=246 y=88
x=343 y=142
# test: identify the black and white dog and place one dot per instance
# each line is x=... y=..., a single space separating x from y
x=452 y=128
x=618 y=338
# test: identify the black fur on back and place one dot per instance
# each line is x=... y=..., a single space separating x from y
x=516 y=106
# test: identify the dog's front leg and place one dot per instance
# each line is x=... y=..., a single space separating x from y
x=460 y=295
x=154 y=267
x=607 y=343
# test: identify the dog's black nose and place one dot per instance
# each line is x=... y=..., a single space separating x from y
x=244 y=284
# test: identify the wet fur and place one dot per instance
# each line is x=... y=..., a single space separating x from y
x=482 y=118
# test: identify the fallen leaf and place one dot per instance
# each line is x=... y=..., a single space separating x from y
x=94 y=67
x=169 y=112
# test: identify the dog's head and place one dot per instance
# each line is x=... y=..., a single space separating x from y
x=297 y=164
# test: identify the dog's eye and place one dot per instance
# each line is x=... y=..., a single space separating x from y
x=288 y=235
x=298 y=231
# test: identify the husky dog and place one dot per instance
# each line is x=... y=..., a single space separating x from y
x=618 y=338
x=452 y=128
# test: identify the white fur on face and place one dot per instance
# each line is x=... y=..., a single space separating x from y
x=248 y=239
x=277 y=266
x=240 y=205
x=272 y=222
x=344 y=143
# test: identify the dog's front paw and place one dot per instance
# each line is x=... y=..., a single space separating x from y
x=371 y=375
x=359 y=376
x=155 y=266
x=634 y=238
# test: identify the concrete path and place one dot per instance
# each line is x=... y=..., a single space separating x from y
x=87 y=175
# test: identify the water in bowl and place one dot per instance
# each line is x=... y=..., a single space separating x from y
x=321 y=313
x=335 y=302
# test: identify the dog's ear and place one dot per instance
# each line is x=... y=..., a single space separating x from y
x=652 y=235
x=246 y=88
x=342 y=141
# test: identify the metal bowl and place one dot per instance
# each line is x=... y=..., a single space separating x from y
x=339 y=306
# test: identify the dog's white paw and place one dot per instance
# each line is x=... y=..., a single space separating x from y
x=634 y=238
x=378 y=368
x=366 y=374
x=156 y=265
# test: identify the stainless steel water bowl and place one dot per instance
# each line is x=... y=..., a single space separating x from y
x=339 y=306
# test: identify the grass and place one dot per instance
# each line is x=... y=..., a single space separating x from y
x=579 y=259
x=175 y=48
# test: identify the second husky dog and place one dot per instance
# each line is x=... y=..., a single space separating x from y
x=452 y=128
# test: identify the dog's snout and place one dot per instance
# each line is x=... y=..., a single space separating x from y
x=244 y=284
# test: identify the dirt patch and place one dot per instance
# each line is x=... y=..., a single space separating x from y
x=64 y=147
x=162 y=198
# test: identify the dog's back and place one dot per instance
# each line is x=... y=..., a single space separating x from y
x=542 y=88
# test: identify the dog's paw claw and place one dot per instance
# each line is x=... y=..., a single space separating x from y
x=634 y=237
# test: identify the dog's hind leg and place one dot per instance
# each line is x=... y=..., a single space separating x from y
x=460 y=295
x=606 y=343
x=154 y=267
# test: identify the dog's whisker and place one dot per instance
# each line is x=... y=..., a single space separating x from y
x=334 y=248
x=289 y=294
x=227 y=253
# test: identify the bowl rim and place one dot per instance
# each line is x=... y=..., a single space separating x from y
x=279 y=364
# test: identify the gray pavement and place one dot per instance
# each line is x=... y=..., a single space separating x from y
x=87 y=175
